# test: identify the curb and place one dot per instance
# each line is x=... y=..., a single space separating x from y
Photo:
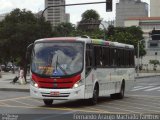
x=146 y=76
x=14 y=89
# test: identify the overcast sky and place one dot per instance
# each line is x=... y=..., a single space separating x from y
x=74 y=11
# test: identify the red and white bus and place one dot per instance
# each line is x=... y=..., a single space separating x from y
x=66 y=68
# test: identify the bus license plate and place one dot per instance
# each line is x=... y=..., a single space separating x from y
x=54 y=93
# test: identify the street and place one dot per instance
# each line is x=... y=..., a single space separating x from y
x=143 y=98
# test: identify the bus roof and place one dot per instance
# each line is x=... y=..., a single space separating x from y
x=88 y=40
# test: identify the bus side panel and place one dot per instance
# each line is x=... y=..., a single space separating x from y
x=130 y=82
x=107 y=82
x=89 y=84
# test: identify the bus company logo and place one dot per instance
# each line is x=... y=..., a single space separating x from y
x=55 y=80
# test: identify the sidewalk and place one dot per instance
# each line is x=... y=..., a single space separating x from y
x=144 y=75
x=7 y=77
x=5 y=84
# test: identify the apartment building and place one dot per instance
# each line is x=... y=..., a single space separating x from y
x=56 y=15
x=155 y=8
x=130 y=8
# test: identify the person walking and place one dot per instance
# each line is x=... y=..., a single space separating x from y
x=19 y=77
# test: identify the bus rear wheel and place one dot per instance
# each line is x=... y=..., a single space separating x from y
x=48 y=101
x=119 y=95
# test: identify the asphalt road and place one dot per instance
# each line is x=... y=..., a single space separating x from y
x=144 y=98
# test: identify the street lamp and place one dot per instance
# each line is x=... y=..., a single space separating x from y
x=138 y=56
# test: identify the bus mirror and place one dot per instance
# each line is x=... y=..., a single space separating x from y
x=28 y=52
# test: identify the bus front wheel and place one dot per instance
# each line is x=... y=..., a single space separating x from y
x=48 y=101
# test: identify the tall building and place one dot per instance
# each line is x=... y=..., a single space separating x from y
x=155 y=8
x=2 y=16
x=55 y=15
x=130 y=8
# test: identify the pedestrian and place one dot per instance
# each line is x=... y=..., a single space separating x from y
x=19 y=77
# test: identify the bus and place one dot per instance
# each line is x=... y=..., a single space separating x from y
x=70 y=68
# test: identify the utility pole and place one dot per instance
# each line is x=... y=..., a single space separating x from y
x=71 y=5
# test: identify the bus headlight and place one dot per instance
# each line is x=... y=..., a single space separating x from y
x=33 y=83
x=78 y=83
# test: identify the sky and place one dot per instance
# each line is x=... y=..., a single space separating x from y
x=74 y=11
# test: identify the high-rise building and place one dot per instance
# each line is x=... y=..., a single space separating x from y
x=2 y=16
x=55 y=15
x=130 y=8
x=155 y=8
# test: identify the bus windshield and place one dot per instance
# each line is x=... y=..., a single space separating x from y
x=57 y=59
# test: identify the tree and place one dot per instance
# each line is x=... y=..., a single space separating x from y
x=17 y=31
x=90 y=15
x=129 y=35
x=64 y=29
x=90 y=21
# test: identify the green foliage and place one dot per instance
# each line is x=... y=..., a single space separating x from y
x=17 y=31
x=129 y=35
x=154 y=63
x=90 y=14
x=64 y=30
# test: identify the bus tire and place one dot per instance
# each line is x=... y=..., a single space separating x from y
x=94 y=99
x=48 y=102
x=119 y=95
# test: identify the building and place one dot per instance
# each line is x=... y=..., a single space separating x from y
x=154 y=8
x=130 y=8
x=148 y=24
x=56 y=15
x=2 y=16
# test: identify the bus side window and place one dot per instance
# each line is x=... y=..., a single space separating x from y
x=98 y=56
x=105 y=56
x=89 y=58
x=112 y=59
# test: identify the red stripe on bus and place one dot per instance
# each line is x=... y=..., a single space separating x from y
x=56 y=82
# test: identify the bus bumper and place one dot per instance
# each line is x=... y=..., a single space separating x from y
x=57 y=94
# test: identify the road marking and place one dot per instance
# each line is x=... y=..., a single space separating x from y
x=147 y=96
x=149 y=100
x=3 y=103
x=151 y=89
x=153 y=83
x=15 y=98
x=142 y=88
x=137 y=87
x=36 y=100
x=22 y=103
x=116 y=108
x=124 y=106
x=100 y=110
x=140 y=104
x=64 y=109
